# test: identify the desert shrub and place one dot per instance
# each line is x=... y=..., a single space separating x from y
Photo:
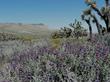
x=13 y=37
x=76 y=31
x=103 y=39
x=62 y=33
x=8 y=36
x=57 y=34
x=71 y=61
x=55 y=43
x=106 y=39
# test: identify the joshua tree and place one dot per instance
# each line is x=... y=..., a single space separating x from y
x=87 y=15
x=104 y=12
x=87 y=20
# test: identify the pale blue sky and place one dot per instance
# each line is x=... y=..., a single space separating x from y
x=54 y=13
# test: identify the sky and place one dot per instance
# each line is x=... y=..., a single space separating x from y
x=54 y=13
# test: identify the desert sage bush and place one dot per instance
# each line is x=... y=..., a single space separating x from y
x=71 y=62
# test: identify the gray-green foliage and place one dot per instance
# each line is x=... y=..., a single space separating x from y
x=75 y=30
x=78 y=29
x=62 y=33
x=8 y=36
x=106 y=39
x=71 y=62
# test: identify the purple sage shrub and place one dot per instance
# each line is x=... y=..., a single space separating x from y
x=71 y=62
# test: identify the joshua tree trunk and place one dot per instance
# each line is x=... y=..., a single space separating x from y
x=97 y=24
x=107 y=18
x=107 y=25
x=108 y=5
x=89 y=24
x=90 y=28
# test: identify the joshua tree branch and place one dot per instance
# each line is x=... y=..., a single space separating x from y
x=98 y=11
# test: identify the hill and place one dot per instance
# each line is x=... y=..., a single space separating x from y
x=23 y=28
